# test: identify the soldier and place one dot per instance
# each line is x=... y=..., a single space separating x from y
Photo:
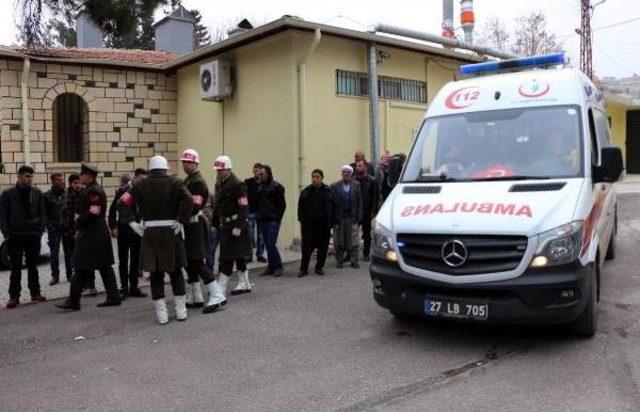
x=93 y=250
x=230 y=215
x=164 y=205
x=196 y=232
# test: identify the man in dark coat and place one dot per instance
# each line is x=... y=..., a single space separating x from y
x=230 y=216
x=93 y=249
x=316 y=213
x=369 y=193
x=54 y=200
x=271 y=207
x=22 y=221
x=165 y=205
x=196 y=232
x=129 y=242
x=252 y=184
x=346 y=193
x=69 y=212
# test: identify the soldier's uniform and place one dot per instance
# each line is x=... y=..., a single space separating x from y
x=197 y=240
x=164 y=204
x=230 y=216
x=93 y=249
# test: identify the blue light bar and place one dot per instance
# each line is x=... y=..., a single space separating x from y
x=525 y=62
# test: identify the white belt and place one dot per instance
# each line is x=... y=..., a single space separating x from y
x=159 y=223
x=194 y=218
x=172 y=224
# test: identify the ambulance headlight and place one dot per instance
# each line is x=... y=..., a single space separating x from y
x=559 y=245
x=382 y=243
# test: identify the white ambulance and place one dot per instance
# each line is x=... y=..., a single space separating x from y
x=506 y=210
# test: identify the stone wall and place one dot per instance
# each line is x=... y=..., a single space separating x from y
x=132 y=116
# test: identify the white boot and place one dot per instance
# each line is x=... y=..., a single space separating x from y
x=161 y=311
x=243 y=286
x=181 y=307
x=194 y=295
x=217 y=294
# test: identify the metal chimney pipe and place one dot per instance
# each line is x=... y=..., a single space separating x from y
x=467 y=18
x=434 y=38
x=447 y=19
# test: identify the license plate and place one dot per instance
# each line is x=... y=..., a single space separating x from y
x=455 y=308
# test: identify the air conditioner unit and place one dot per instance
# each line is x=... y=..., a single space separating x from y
x=215 y=80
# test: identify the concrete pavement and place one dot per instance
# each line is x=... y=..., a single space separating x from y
x=321 y=343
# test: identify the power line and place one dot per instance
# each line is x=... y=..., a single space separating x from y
x=620 y=23
x=615 y=63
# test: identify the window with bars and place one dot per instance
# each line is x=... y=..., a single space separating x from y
x=357 y=84
x=70 y=127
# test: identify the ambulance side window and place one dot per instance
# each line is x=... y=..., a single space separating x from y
x=602 y=128
x=593 y=139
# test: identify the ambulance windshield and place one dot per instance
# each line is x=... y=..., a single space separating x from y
x=535 y=143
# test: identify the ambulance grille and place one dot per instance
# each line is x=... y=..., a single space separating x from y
x=537 y=187
x=421 y=189
x=485 y=254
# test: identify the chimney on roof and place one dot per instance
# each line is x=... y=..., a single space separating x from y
x=174 y=33
x=89 y=35
x=244 y=26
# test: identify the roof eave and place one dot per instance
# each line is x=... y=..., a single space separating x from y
x=286 y=23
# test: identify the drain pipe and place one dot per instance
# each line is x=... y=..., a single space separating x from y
x=24 y=84
x=374 y=116
x=445 y=41
x=302 y=112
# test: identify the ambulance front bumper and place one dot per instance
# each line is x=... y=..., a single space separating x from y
x=552 y=295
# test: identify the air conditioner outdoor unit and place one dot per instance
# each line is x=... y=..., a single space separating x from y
x=215 y=80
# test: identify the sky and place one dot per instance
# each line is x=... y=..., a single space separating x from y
x=615 y=49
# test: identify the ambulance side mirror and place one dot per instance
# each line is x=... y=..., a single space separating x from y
x=611 y=165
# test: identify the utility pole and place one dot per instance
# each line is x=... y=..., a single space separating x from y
x=585 y=38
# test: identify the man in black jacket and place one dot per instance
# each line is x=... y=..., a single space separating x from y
x=316 y=213
x=271 y=209
x=22 y=221
x=252 y=184
x=54 y=200
x=369 y=192
x=129 y=242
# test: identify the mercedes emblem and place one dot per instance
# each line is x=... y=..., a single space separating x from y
x=454 y=253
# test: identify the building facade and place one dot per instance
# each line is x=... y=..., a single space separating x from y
x=114 y=117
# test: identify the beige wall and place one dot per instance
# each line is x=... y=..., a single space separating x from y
x=618 y=116
x=257 y=124
x=261 y=118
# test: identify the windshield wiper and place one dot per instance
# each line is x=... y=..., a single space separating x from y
x=516 y=177
x=442 y=177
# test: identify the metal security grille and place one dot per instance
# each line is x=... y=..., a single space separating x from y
x=486 y=254
x=357 y=84
x=69 y=127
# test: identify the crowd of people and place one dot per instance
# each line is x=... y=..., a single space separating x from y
x=163 y=224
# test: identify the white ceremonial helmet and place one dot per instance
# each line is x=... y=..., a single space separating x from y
x=158 y=162
x=190 y=155
x=223 y=163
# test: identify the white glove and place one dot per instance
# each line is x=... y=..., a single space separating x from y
x=236 y=232
x=178 y=228
x=137 y=227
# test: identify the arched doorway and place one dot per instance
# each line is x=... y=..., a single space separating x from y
x=70 y=127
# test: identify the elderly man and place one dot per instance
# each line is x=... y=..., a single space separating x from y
x=348 y=198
